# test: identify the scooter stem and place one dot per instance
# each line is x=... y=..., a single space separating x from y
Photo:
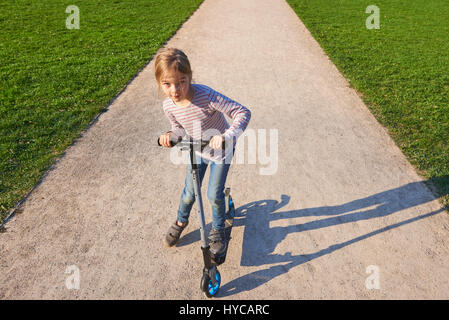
x=199 y=200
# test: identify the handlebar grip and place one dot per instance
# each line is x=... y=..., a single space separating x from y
x=173 y=141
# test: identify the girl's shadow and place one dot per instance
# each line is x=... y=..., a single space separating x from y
x=260 y=241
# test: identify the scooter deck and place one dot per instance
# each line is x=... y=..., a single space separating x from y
x=217 y=260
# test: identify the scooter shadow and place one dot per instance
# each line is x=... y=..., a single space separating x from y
x=193 y=236
x=260 y=241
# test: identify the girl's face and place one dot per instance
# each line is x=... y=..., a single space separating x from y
x=176 y=85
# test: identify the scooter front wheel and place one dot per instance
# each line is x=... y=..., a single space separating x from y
x=207 y=286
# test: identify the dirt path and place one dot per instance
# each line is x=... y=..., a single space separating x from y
x=337 y=215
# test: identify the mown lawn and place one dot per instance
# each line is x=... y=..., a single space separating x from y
x=55 y=80
x=401 y=70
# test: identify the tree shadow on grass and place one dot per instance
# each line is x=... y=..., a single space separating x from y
x=260 y=241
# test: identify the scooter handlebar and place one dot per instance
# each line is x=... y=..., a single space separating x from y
x=188 y=142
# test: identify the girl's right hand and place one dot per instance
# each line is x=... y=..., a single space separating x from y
x=164 y=140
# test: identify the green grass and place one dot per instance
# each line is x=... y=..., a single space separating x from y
x=54 y=81
x=401 y=70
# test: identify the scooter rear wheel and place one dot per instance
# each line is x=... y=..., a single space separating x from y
x=206 y=284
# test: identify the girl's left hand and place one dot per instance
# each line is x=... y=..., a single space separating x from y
x=216 y=142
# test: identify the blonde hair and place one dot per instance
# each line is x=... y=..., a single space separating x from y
x=171 y=59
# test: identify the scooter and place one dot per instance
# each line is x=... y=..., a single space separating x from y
x=211 y=279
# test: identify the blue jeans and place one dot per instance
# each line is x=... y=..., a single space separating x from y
x=215 y=192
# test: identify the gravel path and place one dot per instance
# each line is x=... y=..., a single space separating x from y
x=328 y=207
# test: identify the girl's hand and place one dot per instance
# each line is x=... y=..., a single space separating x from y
x=164 y=140
x=216 y=142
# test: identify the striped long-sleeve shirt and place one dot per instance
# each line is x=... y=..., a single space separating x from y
x=204 y=118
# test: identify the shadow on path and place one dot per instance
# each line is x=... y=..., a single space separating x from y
x=260 y=241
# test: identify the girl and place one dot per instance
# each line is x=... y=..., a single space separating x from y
x=197 y=110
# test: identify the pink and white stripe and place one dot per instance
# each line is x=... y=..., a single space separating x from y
x=204 y=118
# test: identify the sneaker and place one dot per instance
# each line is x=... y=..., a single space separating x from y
x=174 y=233
x=217 y=242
